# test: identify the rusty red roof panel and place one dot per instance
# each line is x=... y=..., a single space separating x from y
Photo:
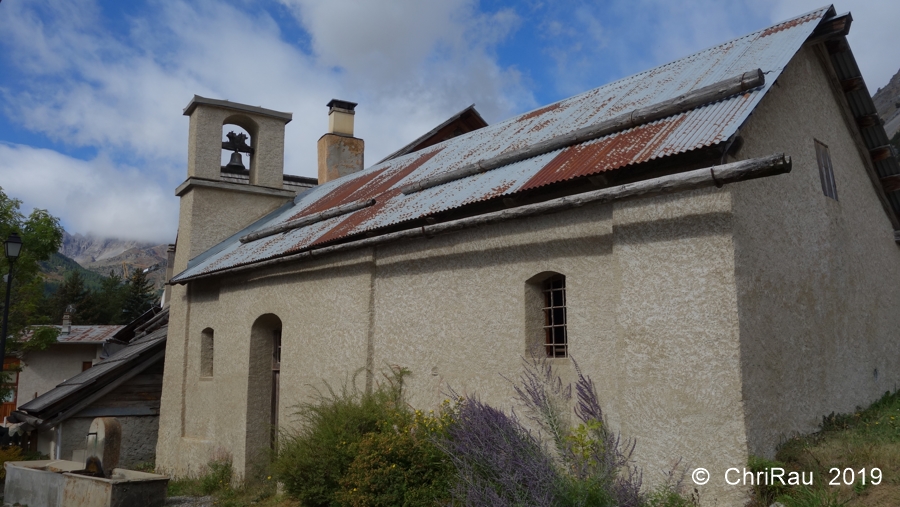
x=770 y=50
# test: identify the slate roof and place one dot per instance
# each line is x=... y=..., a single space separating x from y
x=696 y=129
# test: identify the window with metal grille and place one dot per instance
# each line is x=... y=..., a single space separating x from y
x=555 y=337
x=826 y=170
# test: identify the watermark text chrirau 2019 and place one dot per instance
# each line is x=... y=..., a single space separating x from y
x=779 y=476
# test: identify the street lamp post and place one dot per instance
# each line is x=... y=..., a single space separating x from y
x=13 y=246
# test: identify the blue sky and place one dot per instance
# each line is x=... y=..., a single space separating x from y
x=91 y=92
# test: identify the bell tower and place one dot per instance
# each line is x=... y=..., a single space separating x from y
x=218 y=201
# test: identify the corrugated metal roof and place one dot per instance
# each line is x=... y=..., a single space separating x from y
x=84 y=334
x=770 y=50
x=76 y=388
x=861 y=105
x=89 y=334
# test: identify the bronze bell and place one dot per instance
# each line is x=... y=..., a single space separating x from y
x=236 y=162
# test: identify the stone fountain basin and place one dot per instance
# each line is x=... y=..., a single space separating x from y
x=51 y=483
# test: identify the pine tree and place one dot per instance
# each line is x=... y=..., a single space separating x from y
x=106 y=304
x=139 y=296
x=72 y=292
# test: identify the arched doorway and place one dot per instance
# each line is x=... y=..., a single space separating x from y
x=263 y=385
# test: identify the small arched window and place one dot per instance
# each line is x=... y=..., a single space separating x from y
x=556 y=340
x=207 y=350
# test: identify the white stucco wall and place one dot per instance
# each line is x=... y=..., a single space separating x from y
x=139 y=434
x=818 y=290
x=45 y=369
x=652 y=318
x=712 y=322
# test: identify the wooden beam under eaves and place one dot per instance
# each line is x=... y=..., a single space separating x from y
x=881 y=153
x=891 y=183
x=868 y=120
x=853 y=84
x=831 y=28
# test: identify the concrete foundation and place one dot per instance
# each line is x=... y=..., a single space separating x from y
x=51 y=483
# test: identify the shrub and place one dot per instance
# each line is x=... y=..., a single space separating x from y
x=398 y=466
x=363 y=449
x=498 y=461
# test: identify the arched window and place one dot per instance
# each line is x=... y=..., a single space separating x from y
x=545 y=311
x=207 y=350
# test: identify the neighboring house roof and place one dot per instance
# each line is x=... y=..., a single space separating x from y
x=73 y=395
x=83 y=334
x=463 y=122
x=373 y=201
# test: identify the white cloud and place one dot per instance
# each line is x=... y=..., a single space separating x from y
x=410 y=64
x=592 y=41
x=128 y=94
x=94 y=197
x=122 y=91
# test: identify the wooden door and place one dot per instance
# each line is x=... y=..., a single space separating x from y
x=276 y=384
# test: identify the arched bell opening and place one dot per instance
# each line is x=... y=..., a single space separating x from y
x=239 y=140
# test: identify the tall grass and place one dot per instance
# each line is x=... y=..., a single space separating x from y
x=865 y=438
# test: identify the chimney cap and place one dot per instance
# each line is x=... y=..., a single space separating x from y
x=341 y=104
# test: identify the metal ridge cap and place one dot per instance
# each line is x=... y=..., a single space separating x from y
x=336 y=211
x=693 y=99
x=699 y=178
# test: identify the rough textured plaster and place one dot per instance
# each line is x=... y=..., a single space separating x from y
x=205 y=144
x=652 y=319
x=817 y=278
x=139 y=436
x=655 y=291
x=324 y=332
x=210 y=215
x=45 y=369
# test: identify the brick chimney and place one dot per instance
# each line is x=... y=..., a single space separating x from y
x=340 y=153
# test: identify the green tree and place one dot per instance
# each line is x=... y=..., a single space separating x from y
x=139 y=296
x=41 y=236
x=105 y=304
x=72 y=292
